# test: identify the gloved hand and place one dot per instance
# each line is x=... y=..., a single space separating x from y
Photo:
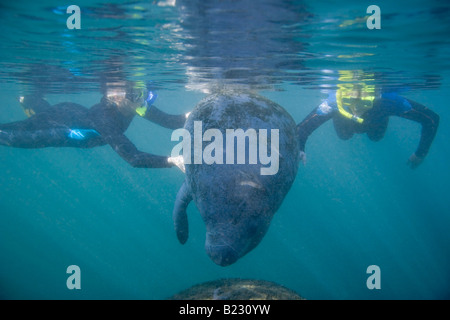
x=178 y=161
x=414 y=161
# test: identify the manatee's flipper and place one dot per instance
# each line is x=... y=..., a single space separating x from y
x=179 y=213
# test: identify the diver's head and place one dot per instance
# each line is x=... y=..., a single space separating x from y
x=355 y=99
x=136 y=94
x=127 y=98
x=358 y=106
x=131 y=98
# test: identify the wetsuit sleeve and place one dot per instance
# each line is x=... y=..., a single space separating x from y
x=111 y=125
x=138 y=159
x=315 y=119
x=164 y=119
x=429 y=121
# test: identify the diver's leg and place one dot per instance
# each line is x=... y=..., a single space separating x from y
x=343 y=127
x=42 y=138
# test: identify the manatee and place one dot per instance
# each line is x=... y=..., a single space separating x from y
x=236 y=201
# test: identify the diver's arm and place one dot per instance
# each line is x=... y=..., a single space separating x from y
x=138 y=159
x=164 y=119
x=429 y=121
x=315 y=119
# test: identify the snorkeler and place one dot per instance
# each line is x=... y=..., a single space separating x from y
x=72 y=125
x=359 y=108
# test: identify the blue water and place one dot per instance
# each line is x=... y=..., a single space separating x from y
x=353 y=205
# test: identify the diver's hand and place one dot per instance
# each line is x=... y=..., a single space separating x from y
x=303 y=157
x=414 y=161
x=178 y=161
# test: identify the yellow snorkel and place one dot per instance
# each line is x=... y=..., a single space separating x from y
x=147 y=96
x=137 y=92
x=354 y=99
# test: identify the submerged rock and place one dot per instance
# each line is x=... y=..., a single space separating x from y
x=237 y=289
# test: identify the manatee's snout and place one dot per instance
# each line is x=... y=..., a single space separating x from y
x=222 y=255
x=220 y=252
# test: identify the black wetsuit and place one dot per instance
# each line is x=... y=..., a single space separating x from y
x=375 y=121
x=52 y=126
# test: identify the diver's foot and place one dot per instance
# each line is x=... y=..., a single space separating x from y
x=33 y=103
x=26 y=99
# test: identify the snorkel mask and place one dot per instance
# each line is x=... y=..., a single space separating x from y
x=135 y=94
x=138 y=94
x=354 y=99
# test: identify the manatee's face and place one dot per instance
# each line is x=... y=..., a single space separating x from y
x=237 y=217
